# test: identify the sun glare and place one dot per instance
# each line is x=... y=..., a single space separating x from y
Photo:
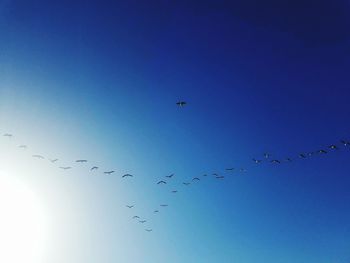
x=22 y=223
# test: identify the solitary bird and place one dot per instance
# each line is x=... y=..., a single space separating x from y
x=65 y=167
x=38 y=156
x=109 y=172
x=322 y=151
x=129 y=206
x=195 y=179
x=127 y=175
x=333 y=147
x=93 y=168
x=345 y=143
x=302 y=155
x=8 y=135
x=81 y=161
x=229 y=169
x=149 y=230
x=186 y=183
x=23 y=146
x=169 y=176
x=267 y=155
x=215 y=174
x=156 y=211
x=288 y=159
x=181 y=103
x=256 y=161
x=275 y=161
x=143 y=221
x=220 y=177
x=163 y=205
x=174 y=191
x=205 y=175
x=161 y=182
x=53 y=160
x=134 y=217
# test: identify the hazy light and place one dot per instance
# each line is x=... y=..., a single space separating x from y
x=22 y=223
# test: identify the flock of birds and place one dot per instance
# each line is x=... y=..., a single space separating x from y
x=266 y=158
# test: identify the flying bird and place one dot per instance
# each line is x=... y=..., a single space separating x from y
x=196 y=179
x=256 y=161
x=181 y=103
x=275 y=161
x=322 y=151
x=215 y=174
x=169 y=176
x=186 y=183
x=38 y=156
x=109 y=172
x=127 y=175
x=333 y=147
x=129 y=206
x=229 y=169
x=267 y=155
x=302 y=155
x=220 y=177
x=205 y=175
x=156 y=211
x=288 y=159
x=161 y=182
x=163 y=205
x=23 y=146
x=93 y=168
x=143 y=221
x=81 y=161
x=149 y=230
x=65 y=167
x=174 y=191
x=8 y=135
x=345 y=143
x=135 y=217
x=53 y=160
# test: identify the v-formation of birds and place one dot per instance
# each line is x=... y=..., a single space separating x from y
x=266 y=157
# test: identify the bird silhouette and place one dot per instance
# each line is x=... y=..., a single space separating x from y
x=186 y=183
x=149 y=230
x=127 y=175
x=93 y=168
x=169 y=176
x=196 y=179
x=205 y=175
x=322 y=151
x=65 y=167
x=163 y=205
x=174 y=191
x=288 y=159
x=129 y=206
x=9 y=135
x=345 y=143
x=333 y=147
x=134 y=217
x=181 y=103
x=229 y=169
x=38 y=156
x=215 y=174
x=155 y=211
x=109 y=172
x=302 y=155
x=143 y=221
x=275 y=161
x=53 y=160
x=220 y=177
x=23 y=146
x=81 y=161
x=161 y=182
x=267 y=155
x=256 y=161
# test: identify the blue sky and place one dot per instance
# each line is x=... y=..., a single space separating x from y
x=99 y=80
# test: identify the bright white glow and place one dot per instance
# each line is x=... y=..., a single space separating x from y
x=22 y=223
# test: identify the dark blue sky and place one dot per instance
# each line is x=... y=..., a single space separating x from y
x=101 y=78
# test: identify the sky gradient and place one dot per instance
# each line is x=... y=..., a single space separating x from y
x=98 y=80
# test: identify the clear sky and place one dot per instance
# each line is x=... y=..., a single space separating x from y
x=98 y=80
